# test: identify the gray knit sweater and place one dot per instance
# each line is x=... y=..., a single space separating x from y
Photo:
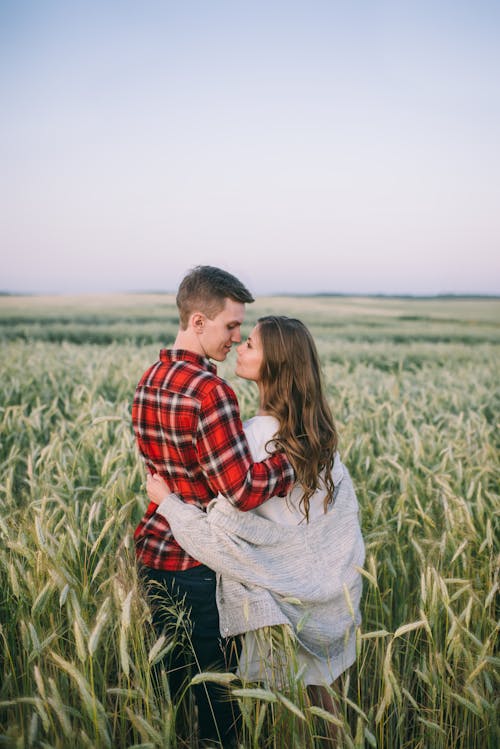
x=306 y=575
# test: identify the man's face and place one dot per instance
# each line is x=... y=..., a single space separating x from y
x=220 y=333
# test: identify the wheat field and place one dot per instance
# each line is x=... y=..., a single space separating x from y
x=414 y=387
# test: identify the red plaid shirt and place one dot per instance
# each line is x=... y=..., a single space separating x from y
x=188 y=428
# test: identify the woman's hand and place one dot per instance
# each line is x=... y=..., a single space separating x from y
x=157 y=488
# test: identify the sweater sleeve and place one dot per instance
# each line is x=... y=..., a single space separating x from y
x=288 y=561
x=220 y=548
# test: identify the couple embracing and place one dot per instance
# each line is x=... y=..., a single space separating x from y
x=248 y=526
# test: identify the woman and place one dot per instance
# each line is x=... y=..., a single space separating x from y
x=292 y=561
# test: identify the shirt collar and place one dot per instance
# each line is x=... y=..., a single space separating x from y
x=178 y=354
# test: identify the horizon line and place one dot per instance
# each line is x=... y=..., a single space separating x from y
x=367 y=295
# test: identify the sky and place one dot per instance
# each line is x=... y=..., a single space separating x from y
x=307 y=147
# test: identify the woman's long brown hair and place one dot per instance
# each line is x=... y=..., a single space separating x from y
x=293 y=392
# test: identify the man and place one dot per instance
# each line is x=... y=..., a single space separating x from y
x=188 y=429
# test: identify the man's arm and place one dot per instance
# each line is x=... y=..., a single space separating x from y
x=225 y=456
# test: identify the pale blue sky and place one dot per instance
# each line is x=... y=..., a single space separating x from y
x=305 y=146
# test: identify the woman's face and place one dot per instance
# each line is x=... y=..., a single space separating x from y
x=250 y=357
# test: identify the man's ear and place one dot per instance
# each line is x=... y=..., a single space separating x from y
x=198 y=322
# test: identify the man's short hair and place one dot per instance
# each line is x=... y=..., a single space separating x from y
x=205 y=289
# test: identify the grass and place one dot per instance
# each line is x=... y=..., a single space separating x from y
x=414 y=389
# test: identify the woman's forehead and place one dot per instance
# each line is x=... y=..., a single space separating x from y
x=254 y=333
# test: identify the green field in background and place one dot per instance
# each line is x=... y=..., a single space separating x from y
x=414 y=388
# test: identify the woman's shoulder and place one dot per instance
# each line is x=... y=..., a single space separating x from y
x=259 y=430
x=262 y=424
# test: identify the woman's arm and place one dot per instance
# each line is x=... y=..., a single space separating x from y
x=214 y=546
x=256 y=551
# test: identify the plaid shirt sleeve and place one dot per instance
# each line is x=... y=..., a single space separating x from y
x=225 y=457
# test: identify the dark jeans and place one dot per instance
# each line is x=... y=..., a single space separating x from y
x=183 y=607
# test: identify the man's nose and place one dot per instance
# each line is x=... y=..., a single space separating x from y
x=236 y=336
